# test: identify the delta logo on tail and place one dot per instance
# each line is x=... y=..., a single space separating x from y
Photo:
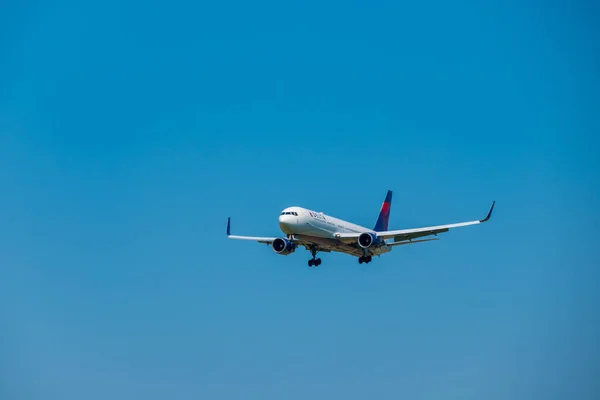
x=384 y=214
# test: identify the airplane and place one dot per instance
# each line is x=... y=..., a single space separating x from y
x=318 y=232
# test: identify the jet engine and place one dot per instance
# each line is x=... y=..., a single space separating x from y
x=368 y=239
x=283 y=246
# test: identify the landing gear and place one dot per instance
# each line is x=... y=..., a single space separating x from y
x=364 y=259
x=314 y=261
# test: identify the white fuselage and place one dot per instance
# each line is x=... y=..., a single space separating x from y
x=301 y=221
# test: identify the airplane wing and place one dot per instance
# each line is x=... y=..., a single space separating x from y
x=412 y=242
x=266 y=240
x=409 y=234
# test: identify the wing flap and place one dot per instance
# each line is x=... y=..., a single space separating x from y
x=409 y=236
x=412 y=242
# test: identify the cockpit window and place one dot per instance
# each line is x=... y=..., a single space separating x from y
x=289 y=213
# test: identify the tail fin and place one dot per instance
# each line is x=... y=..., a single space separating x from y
x=384 y=214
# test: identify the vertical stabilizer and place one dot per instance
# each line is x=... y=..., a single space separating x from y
x=384 y=214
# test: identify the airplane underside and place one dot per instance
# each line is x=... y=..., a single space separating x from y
x=316 y=244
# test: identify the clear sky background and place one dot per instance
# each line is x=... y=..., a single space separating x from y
x=130 y=131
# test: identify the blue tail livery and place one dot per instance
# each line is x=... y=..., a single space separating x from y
x=384 y=214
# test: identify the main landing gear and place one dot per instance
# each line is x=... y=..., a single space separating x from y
x=364 y=259
x=314 y=261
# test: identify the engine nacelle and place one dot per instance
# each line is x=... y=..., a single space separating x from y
x=368 y=239
x=283 y=246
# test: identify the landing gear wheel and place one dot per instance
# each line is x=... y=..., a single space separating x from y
x=314 y=261
x=364 y=259
x=360 y=260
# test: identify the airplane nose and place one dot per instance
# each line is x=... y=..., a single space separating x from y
x=285 y=223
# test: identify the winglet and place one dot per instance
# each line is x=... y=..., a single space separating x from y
x=228 y=226
x=489 y=213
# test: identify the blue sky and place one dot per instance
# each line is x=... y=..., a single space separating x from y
x=130 y=131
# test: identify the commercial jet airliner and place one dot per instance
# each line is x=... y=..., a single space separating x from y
x=318 y=232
